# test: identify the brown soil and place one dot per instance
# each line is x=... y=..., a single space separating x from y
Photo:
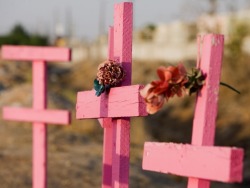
x=75 y=152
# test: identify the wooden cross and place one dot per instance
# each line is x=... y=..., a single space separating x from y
x=38 y=115
x=118 y=106
x=201 y=161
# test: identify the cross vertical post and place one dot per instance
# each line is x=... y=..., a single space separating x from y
x=39 y=129
x=118 y=106
x=204 y=123
x=123 y=24
x=201 y=161
x=38 y=115
x=107 y=129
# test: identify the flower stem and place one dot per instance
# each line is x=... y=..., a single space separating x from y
x=230 y=87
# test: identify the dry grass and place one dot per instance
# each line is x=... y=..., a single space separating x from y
x=75 y=152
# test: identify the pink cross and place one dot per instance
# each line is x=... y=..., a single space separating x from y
x=118 y=106
x=201 y=161
x=38 y=115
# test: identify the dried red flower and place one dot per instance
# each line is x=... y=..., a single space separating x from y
x=110 y=73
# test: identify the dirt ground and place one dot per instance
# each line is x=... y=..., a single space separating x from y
x=74 y=160
x=75 y=152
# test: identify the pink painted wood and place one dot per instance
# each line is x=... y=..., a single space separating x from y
x=119 y=105
x=33 y=115
x=123 y=25
x=39 y=128
x=206 y=108
x=115 y=104
x=207 y=99
x=40 y=116
x=107 y=153
x=32 y=53
x=198 y=161
x=206 y=162
x=108 y=121
x=111 y=43
x=108 y=130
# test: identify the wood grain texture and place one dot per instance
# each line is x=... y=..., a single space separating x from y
x=31 y=53
x=206 y=108
x=33 y=115
x=123 y=26
x=207 y=99
x=120 y=102
x=111 y=43
x=206 y=162
x=106 y=123
x=107 y=154
x=39 y=163
x=121 y=152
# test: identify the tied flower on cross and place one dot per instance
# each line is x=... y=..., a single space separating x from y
x=110 y=74
x=174 y=80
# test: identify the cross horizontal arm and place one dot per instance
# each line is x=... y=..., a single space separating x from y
x=32 y=53
x=204 y=162
x=120 y=102
x=33 y=115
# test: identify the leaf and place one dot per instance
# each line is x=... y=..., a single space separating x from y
x=98 y=88
x=96 y=84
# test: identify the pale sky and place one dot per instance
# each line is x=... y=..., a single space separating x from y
x=87 y=22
